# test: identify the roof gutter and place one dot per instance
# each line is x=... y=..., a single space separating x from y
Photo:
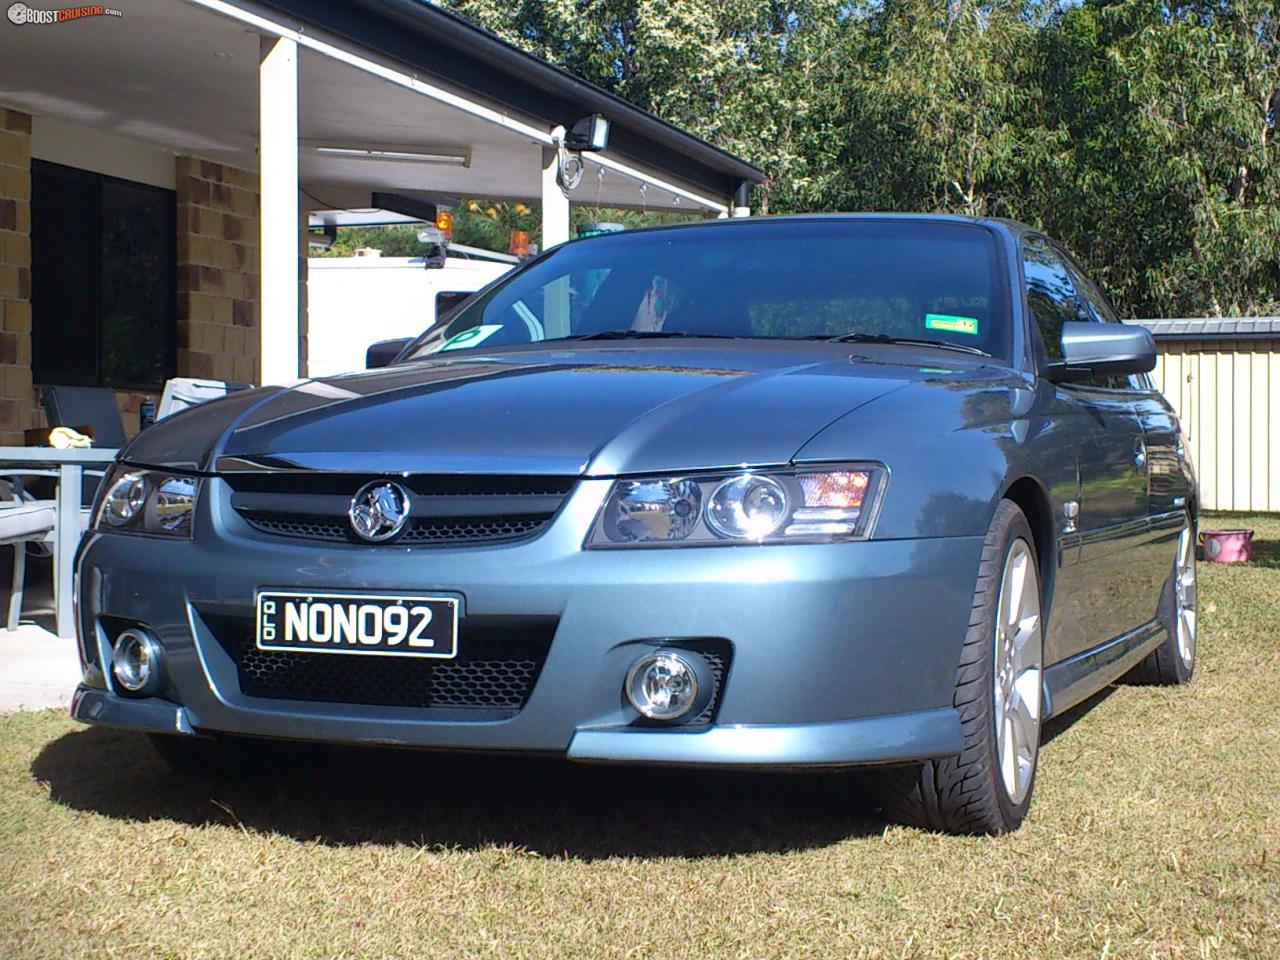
x=438 y=26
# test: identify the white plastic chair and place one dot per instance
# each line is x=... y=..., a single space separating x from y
x=183 y=392
x=22 y=521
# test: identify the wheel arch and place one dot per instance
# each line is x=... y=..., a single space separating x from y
x=1033 y=500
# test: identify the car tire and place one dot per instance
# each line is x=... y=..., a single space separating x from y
x=987 y=787
x=1174 y=662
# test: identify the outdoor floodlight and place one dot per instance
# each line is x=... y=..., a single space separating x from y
x=589 y=135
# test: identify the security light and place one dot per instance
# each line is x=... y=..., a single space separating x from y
x=589 y=135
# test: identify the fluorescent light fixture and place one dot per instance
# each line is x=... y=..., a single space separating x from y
x=446 y=157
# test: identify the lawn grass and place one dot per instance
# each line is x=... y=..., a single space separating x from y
x=1155 y=833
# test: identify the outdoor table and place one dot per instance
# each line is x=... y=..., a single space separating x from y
x=70 y=465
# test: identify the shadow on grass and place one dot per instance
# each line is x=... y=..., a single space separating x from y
x=1266 y=553
x=550 y=807
x=1063 y=722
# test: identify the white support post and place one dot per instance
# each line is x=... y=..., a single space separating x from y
x=278 y=183
x=555 y=205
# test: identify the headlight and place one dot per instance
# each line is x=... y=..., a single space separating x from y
x=146 y=501
x=747 y=507
x=655 y=510
x=768 y=506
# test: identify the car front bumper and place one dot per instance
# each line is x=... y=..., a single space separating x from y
x=842 y=654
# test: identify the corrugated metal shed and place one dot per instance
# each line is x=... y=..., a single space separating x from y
x=1222 y=375
x=1214 y=328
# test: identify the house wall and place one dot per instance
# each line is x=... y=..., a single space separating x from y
x=16 y=392
x=1227 y=394
x=217 y=258
x=218 y=271
x=87 y=148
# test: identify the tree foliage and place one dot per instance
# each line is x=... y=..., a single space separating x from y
x=1140 y=132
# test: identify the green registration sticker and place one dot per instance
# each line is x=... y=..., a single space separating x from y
x=471 y=337
x=944 y=321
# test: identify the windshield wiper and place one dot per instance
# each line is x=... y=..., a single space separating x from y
x=906 y=341
x=645 y=335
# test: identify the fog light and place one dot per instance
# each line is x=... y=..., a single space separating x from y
x=668 y=685
x=135 y=661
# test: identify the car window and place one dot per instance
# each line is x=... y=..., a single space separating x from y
x=1051 y=296
x=927 y=280
x=449 y=300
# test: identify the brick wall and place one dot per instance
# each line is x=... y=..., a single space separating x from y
x=17 y=396
x=217 y=279
x=218 y=273
x=130 y=404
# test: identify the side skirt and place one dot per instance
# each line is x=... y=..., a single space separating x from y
x=1073 y=680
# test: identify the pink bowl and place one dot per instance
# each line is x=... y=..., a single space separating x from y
x=1227 y=546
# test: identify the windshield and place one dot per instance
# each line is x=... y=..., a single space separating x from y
x=917 y=280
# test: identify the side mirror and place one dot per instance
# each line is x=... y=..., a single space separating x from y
x=383 y=352
x=1102 y=349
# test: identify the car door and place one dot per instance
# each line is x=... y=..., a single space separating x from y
x=1103 y=597
x=1152 y=557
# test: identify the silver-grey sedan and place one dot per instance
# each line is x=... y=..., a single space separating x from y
x=829 y=491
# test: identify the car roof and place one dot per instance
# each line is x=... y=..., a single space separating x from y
x=1001 y=225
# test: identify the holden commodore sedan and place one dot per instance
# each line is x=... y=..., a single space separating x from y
x=833 y=491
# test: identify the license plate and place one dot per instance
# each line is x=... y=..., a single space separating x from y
x=392 y=625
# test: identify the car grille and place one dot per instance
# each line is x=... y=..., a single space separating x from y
x=446 y=510
x=419 y=531
x=718 y=654
x=498 y=662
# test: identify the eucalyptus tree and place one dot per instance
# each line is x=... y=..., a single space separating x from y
x=939 y=111
x=741 y=73
x=1171 y=111
x=1141 y=131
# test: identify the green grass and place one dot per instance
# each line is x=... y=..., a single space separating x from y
x=1155 y=833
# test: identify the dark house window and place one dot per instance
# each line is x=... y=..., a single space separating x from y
x=103 y=300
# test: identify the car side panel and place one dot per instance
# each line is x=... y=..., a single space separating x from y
x=1171 y=487
x=948 y=482
x=1113 y=534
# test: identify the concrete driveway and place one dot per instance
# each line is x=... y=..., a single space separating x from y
x=37 y=668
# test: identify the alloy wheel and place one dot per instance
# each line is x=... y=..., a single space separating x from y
x=1184 y=596
x=1018 y=671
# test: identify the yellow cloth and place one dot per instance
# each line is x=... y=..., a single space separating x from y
x=64 y=438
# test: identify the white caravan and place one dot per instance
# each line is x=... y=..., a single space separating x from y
x=356 y=301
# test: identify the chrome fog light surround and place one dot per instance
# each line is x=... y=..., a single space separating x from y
x=135 y=662
x=669 y=685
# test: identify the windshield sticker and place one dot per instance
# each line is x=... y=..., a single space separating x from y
x=470 y=338
x=944 y=321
